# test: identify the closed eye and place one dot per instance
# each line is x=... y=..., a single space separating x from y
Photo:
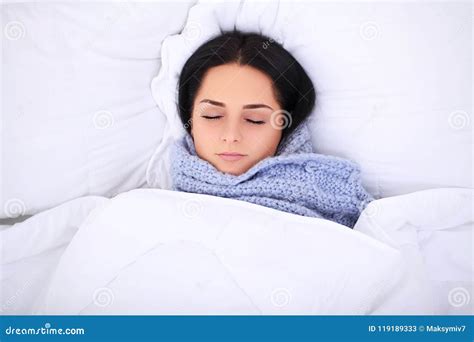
x=259 y=122
x=255 y=122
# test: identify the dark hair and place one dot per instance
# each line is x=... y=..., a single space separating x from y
x=292 y=87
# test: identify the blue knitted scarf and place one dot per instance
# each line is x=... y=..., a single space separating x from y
x=295 y=180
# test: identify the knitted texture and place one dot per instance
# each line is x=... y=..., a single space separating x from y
x=295 y=180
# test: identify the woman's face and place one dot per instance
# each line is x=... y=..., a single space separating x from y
x=232 y=123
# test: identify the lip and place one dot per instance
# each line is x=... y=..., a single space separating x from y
x=231 y=156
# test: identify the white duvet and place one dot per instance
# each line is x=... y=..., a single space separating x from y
x=154 y=251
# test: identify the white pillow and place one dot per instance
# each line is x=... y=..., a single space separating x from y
x=78 y=117
x=393 y=84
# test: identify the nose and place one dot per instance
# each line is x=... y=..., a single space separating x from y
x=231 y=133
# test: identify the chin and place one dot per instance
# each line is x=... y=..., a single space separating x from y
x=232 y=172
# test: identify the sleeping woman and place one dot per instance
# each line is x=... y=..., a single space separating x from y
x=244 y=101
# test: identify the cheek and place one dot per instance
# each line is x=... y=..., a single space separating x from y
x=265 y=143
x=200 y=130
x=204 y=138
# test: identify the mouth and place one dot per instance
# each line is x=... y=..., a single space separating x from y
x=231 y=156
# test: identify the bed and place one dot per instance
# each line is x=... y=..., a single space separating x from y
x=90 y=226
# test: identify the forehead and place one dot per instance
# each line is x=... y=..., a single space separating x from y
x=237 y=84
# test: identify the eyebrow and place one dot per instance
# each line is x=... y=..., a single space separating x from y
x=248 y=106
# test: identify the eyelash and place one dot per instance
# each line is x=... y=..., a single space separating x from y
x=248 y=120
